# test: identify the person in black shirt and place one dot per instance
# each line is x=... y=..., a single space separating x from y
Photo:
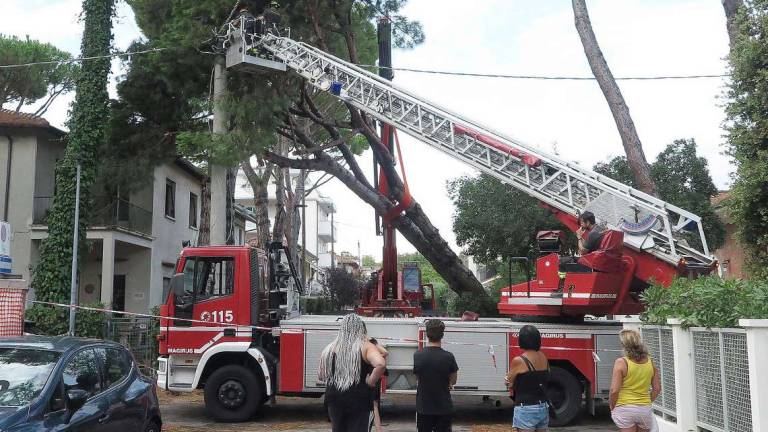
x=527 y=378
x=589 y=236
x=437 y=372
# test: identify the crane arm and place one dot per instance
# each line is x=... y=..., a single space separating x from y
x=650 y=224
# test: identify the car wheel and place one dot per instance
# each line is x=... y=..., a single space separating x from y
x=233 y=394
x=564 y=390
x=153 y=426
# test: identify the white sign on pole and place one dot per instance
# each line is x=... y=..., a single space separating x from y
x=5 y=247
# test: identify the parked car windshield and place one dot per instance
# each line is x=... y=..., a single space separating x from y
x=23 y=374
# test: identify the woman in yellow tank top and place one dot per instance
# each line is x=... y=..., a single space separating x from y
x=635 y=385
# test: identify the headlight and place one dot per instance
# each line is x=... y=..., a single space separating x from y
x=161 y=365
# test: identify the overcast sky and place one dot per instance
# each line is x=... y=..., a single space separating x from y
x=638 y=38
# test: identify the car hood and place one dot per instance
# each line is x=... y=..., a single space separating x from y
x=9 y=416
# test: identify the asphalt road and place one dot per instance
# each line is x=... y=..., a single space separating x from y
x=186 y=413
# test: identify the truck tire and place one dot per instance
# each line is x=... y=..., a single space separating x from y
x=564 y=390
x=233 y=393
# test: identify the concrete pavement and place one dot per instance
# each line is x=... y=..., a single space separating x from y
x=186 y=413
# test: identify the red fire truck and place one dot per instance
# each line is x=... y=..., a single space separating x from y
x=232 y=325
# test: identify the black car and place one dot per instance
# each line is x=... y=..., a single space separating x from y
x=73 y=384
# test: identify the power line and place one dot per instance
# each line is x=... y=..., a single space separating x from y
x=548 y=77
x=79 y=59
x=425 y=71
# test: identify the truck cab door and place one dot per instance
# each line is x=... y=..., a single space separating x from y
x=205 y=305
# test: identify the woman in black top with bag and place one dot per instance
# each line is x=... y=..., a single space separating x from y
x=527 y=378
x=350 y=366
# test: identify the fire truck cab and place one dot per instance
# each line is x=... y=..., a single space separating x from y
x=220 y=308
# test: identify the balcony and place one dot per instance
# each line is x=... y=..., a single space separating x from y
x=325 y=231
x=324 y=260
x=110 y=213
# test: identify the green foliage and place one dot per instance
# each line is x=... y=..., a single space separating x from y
x=54 y=321
x=26 y=85
x=493 y=221
x=370 y=261
x=706 y=302
x=341 y=288
x=88 y=122
x=683 y=179
x=486 y=306
x=747 y=133
x=316 y=305
x=428 y=276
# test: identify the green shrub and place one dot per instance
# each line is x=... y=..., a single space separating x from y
x=51 y=321
x=706 y=302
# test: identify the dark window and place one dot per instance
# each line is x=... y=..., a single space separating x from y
x=192 y=210
x=170 y=198
x=209 y=276
x=117 y=365
x=81 y=372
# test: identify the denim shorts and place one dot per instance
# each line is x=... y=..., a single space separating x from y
x=531 y=416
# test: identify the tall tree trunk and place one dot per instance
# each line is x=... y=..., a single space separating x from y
x=731 y=8
x=278 y=231
x=204 y=232
x=296 y=221
x=629 y=138
x=230 y=204
x=259 y=185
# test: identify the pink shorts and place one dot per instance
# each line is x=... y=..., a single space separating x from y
x=627 y=416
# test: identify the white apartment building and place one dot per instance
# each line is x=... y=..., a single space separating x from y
x=133 y=240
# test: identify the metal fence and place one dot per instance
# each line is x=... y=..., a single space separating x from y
x=139 y=336
x=721 y=374
x=661 y=348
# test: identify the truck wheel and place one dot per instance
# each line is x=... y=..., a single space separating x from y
x=233 y=394
x=564 y=390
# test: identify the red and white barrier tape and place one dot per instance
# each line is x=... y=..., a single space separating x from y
x=490 y=347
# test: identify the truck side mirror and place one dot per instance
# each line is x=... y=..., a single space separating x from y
x=176 y=286
x=76 y=398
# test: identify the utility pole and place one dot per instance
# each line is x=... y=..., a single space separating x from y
x=76 y=232
x=389 y=250
x=218 y=174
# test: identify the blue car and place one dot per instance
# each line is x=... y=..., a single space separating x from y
x=73 y=384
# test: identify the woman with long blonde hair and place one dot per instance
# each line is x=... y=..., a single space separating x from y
x=350 y=366
x=634 y=387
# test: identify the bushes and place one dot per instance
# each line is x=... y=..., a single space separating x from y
x=51 y=321
x=316 y=305
x=706 y=302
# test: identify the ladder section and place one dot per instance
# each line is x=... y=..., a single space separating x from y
x=558 y=183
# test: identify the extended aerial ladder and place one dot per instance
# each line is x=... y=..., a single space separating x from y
x=662 y=238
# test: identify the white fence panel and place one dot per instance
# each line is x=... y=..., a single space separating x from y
x=662 y=351
x=721 y=374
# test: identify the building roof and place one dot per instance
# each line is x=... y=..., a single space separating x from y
x=190 y=168
x=13 y=119
x=245 y=212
